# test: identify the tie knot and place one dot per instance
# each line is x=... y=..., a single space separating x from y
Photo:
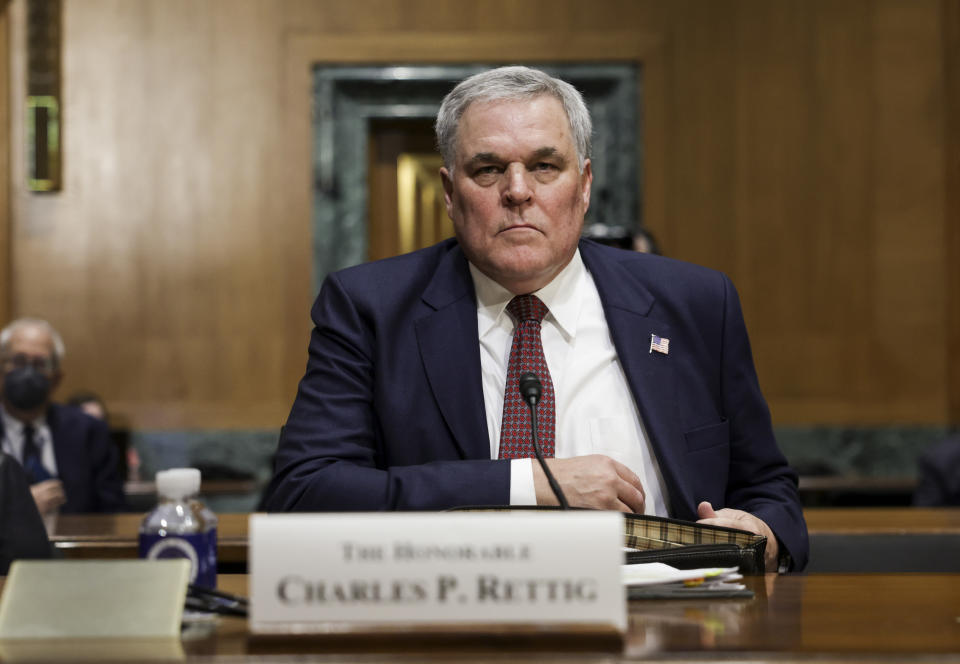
x=28 y=431
x=527 y=307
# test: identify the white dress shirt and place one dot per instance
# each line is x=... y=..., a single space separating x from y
x=596 y=411
x=42 y=437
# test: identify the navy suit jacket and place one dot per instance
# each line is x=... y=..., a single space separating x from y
x=22 y=533
x=86 y=461
x=390 y=413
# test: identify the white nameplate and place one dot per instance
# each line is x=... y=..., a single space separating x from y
x=321 y=572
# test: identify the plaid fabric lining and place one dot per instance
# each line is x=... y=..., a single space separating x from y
x=646 y=533
x=650 y=533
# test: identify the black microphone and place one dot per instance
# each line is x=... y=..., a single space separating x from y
x=530 y=391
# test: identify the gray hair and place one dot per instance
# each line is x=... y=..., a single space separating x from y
x=513 y=83
x=59 y=350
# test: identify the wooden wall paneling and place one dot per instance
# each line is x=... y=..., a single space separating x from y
x=909 y=259
x=774 y=195
x=655 y=121
x=5 y=225
x=837 y=234
x=166 y=260
x=951 y=77
x=701 y=152
x=805 y=99
x=834 y=110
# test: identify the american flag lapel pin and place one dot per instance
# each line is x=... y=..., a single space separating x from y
x=659 y=344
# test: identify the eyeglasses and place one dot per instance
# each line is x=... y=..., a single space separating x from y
x=21 y=361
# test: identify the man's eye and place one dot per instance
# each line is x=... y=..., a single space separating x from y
x=545 y=166
x=486 y=176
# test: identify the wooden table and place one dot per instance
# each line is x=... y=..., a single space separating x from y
x=116 y=536
x=792 y=618
x=821 y=617
x=815 y=618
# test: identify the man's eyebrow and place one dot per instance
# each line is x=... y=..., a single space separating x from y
x=482 y=158
x=546 y=152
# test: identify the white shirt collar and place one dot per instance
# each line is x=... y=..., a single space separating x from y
x=15 y=426
x=562 y=297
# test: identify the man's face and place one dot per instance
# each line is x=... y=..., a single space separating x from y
x=31 y=345
x=516 y=196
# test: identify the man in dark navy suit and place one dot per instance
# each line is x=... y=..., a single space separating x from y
x=67 y=455
x=650 y=402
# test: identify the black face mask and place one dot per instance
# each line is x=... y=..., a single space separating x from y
x=26 y=388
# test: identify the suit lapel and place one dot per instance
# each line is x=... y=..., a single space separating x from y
x=632 y=317
x=450 y=350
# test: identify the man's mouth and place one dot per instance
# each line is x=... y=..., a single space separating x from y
x=518 y=227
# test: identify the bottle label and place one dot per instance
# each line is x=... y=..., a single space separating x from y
x=199 y=548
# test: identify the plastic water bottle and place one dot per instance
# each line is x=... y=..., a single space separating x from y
x=181 y=526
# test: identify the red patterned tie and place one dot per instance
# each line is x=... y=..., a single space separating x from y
x=526 y=354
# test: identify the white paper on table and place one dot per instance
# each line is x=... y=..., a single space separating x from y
x=650 y=574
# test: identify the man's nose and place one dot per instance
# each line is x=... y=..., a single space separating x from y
x=517 y=190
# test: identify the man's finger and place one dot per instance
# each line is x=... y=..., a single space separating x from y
x=631 y=491
x=627 y=474
x=705 y=510
x=632 y=496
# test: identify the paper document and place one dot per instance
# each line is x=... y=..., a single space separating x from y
x=659 y=580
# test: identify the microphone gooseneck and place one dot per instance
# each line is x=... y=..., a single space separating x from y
x=530 y=390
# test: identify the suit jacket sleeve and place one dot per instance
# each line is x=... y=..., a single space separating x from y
x=22 y=533
x=364 y=432
x=760 y=480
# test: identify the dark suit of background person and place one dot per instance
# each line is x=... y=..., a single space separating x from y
x=22 y=534
x=391 y=414
x=938 y=482
x=87 y=462
x=87 y=475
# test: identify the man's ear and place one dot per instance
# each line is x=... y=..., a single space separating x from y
x=447 y=180
x=586 y=180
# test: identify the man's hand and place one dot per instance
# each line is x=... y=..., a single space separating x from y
x=48 y=495
x=591 y=481
x=744 y=521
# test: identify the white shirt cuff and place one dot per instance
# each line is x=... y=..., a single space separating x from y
x=522 y=490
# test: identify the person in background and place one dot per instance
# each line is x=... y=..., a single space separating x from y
x=91 y=403
x=641 y=239
x=67 y=456
x=644 y=242
x=650 y=400
x=938 y=480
